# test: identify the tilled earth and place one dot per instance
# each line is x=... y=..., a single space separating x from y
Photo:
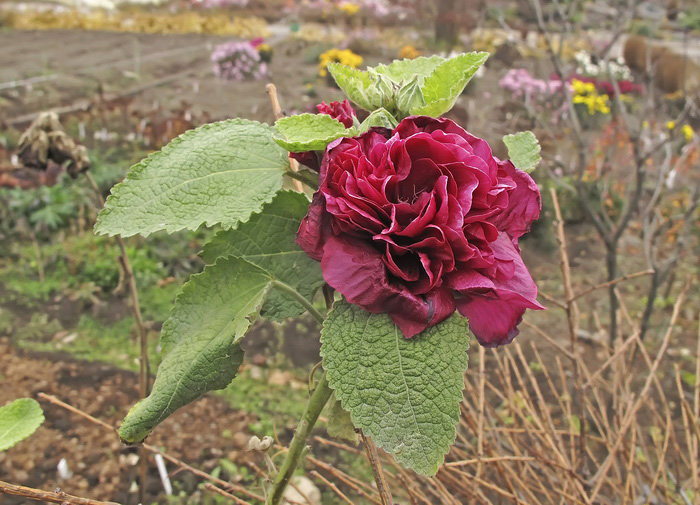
x=102 y=467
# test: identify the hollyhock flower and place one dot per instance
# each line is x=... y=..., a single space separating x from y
x=421 y=221
x=343 y=112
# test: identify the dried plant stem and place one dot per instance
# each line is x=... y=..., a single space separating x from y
x=377 y=471
x=296 y=449
x=144 y=369
x=48 y=496
x=180 y=464
x=335 y=489
x=271 y=90
x=211 y=487
x=572 y=315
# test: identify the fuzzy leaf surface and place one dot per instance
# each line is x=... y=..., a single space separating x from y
x=357 y=85
x=309 y=132
x=267 y=240
x=400 y=70
x=447 y=81
x=18 y=420
x=201 y=340
x=523 y=150
x=404 y=393
x=219 y=173
x=380 y=117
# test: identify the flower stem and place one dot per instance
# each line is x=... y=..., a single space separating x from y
x=285 y=288
x=296 y=449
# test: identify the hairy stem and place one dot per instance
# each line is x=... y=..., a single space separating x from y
x=296 y=449
x=287 y=289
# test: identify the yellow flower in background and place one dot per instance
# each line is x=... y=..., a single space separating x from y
x=349 y=8
x=586 y=94
x=670 y=125
x=409 y=52
x=342 y=56
x=687 y=132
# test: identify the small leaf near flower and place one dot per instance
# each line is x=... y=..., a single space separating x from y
x=309 y=132
x=379 y=117
x=523 y=150
x=447 y=81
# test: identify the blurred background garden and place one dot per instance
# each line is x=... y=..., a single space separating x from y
x=598 y=401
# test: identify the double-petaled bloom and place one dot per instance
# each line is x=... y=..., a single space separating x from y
x=421 y=221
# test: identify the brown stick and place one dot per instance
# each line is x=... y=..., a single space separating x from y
x=379 y=478
x=211 y=487
x=612 y=282
x=47 y=496
x=144 y=369
x=271 y=90
x=335 y=489
x=152 y=449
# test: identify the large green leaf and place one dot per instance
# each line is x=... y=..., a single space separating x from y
x=219 y=173
x=268 y=240
x=523 y=150
x=404 y=393
x=447 y=81
x=18 y=420
x=309 y=132
x=201 y=340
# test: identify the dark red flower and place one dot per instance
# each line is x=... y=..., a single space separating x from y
x=343 y=112
x=421 y=221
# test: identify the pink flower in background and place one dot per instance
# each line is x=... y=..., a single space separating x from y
x=237 y=61
x=421 y=221
x=521 y=84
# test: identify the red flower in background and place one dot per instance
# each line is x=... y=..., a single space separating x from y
x=421 y=221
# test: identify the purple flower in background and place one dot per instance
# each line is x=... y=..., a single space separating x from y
x=237 y=61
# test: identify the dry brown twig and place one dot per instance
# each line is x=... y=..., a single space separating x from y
x=271 y=90
x=57 y=496
x=177 y=462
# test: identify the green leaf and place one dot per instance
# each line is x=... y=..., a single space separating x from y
x=268 y=241
x=400 y=70
x=523 y=150
x=447 y=81
x=219 y=173
x=201 y=340
x=404 y=393
x=18 y=420
x=356 y=84
x=340 y=424
x=379 y=117
x=410 y=96
x=309 y=132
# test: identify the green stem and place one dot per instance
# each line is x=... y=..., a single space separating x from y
x=296 y=449
x=305 y=177
x=285 y=288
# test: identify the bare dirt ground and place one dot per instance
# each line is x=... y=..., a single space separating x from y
x=48 y=69
x=102 y=467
